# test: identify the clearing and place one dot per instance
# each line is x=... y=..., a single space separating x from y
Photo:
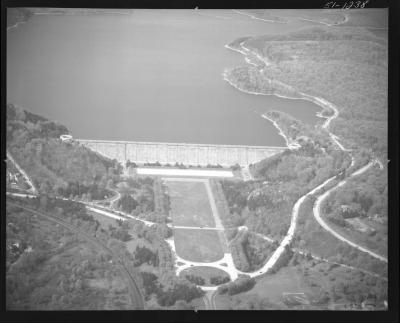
x=198 y=245
x=190 y=205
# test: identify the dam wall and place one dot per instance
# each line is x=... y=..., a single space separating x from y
x=187 y=154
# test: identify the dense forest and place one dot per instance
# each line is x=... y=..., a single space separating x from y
x=249 y=252
x=265 y=205
x=144 y=197
x=154 y=260
x=348 y=67
x=345 y=65
x=48 y=267
x=151 y=262
x=66 y=169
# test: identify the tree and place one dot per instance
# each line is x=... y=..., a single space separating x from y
x=127 y=203
x=164 y=231
x=43 y=202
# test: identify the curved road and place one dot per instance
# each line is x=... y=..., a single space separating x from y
x=135 y=294
x=320 y=220
x=27 y=179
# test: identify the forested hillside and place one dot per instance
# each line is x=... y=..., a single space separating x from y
x=265 y=205
x=345 y=65
x=67 y=169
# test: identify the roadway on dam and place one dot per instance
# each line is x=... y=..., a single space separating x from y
x=185 y=153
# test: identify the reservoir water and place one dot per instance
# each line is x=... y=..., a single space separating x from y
x=150 y=75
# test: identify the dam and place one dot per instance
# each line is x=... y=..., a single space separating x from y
x=187 y=154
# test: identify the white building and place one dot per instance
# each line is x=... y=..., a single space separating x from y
x=66 y=138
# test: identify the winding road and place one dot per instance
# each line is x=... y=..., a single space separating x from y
x=316 y=209
x=294 y=215
x=320 y=220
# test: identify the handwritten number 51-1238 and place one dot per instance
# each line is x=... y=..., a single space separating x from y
x=346 y=5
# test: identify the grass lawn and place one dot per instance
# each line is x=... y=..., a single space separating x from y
x=312 y=237
x=204 y=272
x=377 y=243
x=286 y=280
x=190 y=205
x=198 y=245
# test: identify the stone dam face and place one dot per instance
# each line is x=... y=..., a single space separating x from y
x=188 y=154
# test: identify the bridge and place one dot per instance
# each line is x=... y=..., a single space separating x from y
x=187 y=154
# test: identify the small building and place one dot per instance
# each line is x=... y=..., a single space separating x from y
x=66 y=138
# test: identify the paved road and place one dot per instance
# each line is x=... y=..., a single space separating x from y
x=134 y=291
x=115 y=198
x=25 y=175
x=209 y=300
x=338 y=264
x=321 y=221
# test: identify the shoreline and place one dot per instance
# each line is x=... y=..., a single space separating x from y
x=254 y=17
x=321 y=102
x=346 y=19
x=235 y=49
x=291 y=144
x=16 y=25
x=324 y=104
x=246 y=53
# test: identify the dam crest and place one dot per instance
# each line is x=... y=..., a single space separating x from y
x=187 y=154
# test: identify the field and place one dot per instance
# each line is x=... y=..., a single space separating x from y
x=311 y=237
x=198 y=245
x=270 y=287
x=190 y=205
x=204 y=272
x=287 y=280
x=377 y=242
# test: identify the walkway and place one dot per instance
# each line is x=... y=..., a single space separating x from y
x=226 y=262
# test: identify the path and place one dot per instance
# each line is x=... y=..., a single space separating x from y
x=209 y=300
x=226 y=262
x=231 y=270
x=115 y=198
